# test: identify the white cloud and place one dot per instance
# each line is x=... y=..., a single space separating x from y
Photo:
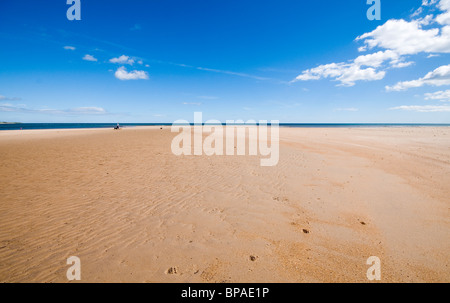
x=348 y=73
x=192 y=103
x=408 y=38
x=122 y=74
x=362 y=49
x=7 y=107
x=9 y=98
x=444 y=6
x=397 y=39
x=73 y=111
x=427 y=20
x=439 y=77
x=226 y=72
x=402 y=64
x=417 y=12
x=428 y=2
x=122 y=60
x=444 y=18
x=376 y=59
x=88 y=57
x=423 y=108
x=69 y=48
x=443 y=96
x=88 y=110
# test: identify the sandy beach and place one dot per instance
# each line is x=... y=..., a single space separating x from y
x=134 y=212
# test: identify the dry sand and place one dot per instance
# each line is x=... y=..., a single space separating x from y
x=134 y=212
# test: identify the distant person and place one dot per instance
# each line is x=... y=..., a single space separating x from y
x=117 y=126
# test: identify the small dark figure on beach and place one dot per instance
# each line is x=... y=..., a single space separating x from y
x=117 y=127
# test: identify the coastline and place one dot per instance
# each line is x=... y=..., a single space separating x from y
x=69 y=126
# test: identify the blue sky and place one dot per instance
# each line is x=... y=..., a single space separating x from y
x=163 y=60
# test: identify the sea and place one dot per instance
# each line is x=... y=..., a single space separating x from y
x=23 y=126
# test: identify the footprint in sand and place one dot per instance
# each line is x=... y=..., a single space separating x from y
x=172 y=271
x=304 y=230
x=284 y=199
x=253 y=258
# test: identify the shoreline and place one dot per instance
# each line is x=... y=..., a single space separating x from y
x=281 y=125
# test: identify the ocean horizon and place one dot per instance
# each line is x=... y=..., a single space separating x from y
x=30 y=126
